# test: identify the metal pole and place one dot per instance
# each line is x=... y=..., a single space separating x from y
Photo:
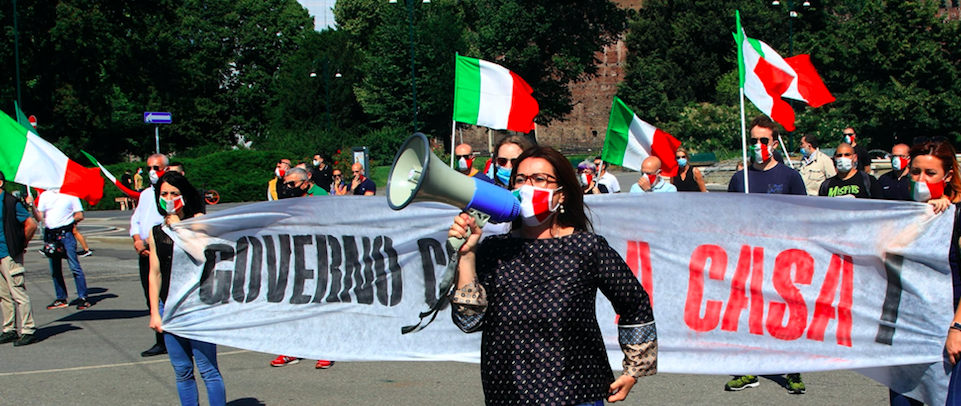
x=16 y=52
x=413 y=77
x=327 y=93
x=790 y=53
x=157 y=137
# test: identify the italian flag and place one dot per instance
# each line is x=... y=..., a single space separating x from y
x=489 y=95
x=767 y=78
x=630 y=140
x=127 y=191
x=30 y=160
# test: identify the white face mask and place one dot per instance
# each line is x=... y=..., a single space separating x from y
x=536 y=204
x=844 y=163
x=316 y=163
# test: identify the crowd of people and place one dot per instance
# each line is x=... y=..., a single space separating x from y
x=486 y=297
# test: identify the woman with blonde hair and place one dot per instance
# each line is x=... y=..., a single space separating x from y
x=688 y=178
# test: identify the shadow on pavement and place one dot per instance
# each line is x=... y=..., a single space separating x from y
x=90 y=315
x=95 y=291
x=246 y=402
x=47 y=332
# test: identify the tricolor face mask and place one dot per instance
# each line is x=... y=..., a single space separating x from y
x=924 y=191
x=170 y=206
x=586 y=179
x=760 y=153
x=536 y=204
x=652 y=177
x=463 y=164
x=155 y=176
x=898 y=163
x=280 y=173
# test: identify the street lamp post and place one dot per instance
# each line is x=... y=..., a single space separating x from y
x=16 y=53
x=413 y=76
x=326 y=90
x=792 y=14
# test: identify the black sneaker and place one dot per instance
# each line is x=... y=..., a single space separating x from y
x=85 y=253
x=57 y=304
x=82 y=303
x=25 y=339
x=8 y=337
x=153 y=351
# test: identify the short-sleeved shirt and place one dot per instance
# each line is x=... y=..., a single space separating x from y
x=58 y=209
x=317 y=191
x=22 y=215
x=365 y=186
x=779 y=180
x=610 y=181
x=893 y=188
x=856 y=186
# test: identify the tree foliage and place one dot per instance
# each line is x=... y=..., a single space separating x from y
x=893 y=66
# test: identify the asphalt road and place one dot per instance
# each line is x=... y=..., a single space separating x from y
x=92 y=357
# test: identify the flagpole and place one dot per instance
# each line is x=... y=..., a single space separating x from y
x=744 y=142
x=786 y=156
x=453 y=134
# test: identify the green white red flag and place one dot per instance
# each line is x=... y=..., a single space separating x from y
x=630 y=140
x=30 y=160
x=490 y=95
x=133 y=194
x=767 y=78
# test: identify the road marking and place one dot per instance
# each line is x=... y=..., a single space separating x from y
x=125 y=364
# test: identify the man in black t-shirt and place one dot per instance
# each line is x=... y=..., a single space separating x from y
x=766 y=175
x=849 y=182
x=896 y=185
x=322 y=173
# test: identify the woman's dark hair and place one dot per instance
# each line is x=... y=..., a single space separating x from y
x=944 y=151
x=192 y=203
x=574 y=214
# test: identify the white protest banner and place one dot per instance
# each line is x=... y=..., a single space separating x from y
x=741 y=284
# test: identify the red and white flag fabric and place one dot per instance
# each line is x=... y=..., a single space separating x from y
x=630 y=140
x=133 y=194
x=767 y=78
x=490 y=95
x=30 y=160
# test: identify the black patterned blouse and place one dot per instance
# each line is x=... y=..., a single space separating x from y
x=535 y=303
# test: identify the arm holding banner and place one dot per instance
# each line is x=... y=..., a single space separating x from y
x=154 y=282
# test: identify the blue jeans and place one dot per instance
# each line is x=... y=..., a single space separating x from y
x=182 y=352
x=954 y=387
x=56 y=269
x=594 y=403
x=897 y=399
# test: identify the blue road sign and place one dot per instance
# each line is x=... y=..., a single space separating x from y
x=156 y=117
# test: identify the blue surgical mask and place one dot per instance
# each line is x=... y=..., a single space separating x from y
x=682 y=162
x=503 y=175
x=804 y=152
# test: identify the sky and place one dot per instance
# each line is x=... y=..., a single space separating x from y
x=320 y=10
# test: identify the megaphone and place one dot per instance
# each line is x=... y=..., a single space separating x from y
x=418 y=175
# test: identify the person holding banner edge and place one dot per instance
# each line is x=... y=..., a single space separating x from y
x=177 y=200
x=542 y=280
x=934 y=180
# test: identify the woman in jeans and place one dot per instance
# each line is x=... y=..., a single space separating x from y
x=177 y=200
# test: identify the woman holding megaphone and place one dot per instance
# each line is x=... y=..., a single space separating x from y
x=531 y=293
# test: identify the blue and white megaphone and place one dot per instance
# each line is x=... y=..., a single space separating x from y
x=418 y=175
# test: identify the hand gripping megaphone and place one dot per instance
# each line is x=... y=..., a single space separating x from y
x=419 y=175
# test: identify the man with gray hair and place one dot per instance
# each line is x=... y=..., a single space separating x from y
x=297 y=183
x=145 y=216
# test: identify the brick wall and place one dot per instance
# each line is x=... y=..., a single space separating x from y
x=586 y=125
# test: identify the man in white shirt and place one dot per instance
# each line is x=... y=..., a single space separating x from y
x=144 y=218
x=60 y=213
x=605 y=178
